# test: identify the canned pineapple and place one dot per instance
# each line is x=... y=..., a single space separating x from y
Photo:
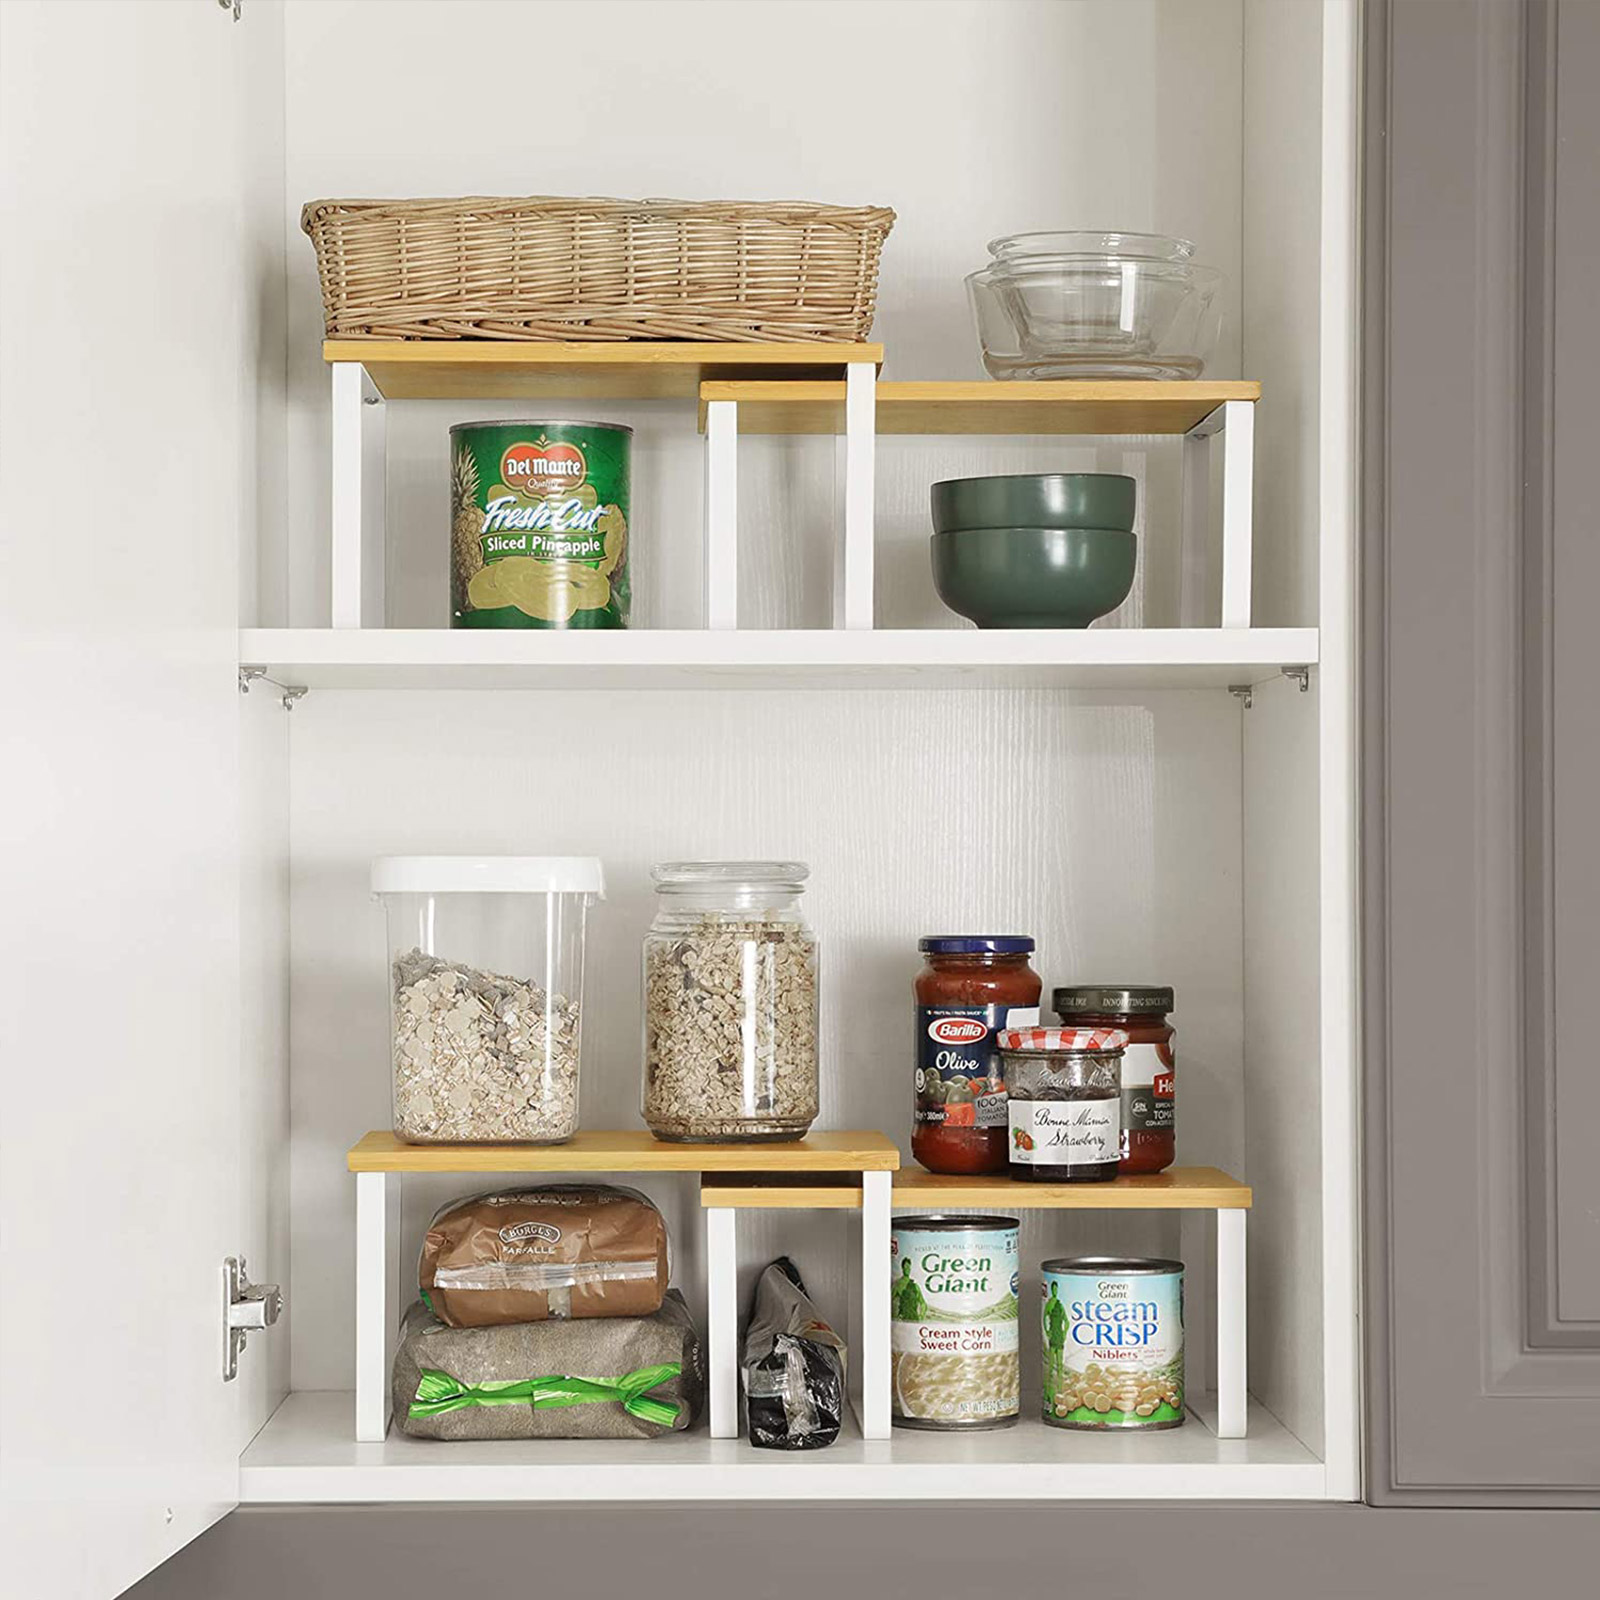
x=539 y=524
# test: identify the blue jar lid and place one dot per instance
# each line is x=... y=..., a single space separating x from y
x=976 y=944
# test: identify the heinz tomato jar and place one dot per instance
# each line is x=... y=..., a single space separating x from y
x=972 y=986
x=1149 y=1111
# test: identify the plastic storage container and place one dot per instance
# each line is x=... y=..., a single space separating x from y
x=730 y=1003
x=486 y=994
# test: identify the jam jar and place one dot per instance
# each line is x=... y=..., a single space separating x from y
x=971 y=986
x=1064 y=1093
x=1149 y=1111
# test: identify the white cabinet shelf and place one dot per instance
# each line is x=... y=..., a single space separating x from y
x=306 y=1455
x=1096 y=658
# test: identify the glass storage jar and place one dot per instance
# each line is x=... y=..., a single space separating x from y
x=1149 y=1109
x=486 y=994
x=1063 y=1098
x=730 y=1003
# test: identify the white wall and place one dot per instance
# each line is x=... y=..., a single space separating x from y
x=1282 y=282
x=971 y=117
x=1283 y=1055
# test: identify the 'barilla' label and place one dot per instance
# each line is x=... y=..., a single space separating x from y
x=960 y=1079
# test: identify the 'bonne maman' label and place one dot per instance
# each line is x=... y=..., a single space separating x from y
x=1065 y=1133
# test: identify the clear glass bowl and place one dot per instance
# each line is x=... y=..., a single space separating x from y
x=1070 y=242
x=1064 y=305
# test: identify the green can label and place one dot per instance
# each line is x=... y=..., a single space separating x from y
x=539 y=524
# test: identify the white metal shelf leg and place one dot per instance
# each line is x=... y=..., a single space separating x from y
x=722 y=1319
x=853 y=576
x=1238 y=488
x=874 y=1353
x=722 y=514
x=1193 y=611
x=375 y=1249
x=1231 y=1324
x=359 y=467
x=1198 y=1322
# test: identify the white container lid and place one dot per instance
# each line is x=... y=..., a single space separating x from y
x=488 y=875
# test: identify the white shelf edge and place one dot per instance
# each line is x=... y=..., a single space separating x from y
x=442 y=658
x=306 y=1456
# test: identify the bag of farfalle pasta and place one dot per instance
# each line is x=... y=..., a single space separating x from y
x=598 y=1378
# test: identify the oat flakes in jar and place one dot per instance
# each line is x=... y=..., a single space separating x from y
x=730 y=1003
x=486 y=994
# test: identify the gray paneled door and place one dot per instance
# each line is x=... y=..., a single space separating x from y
x=1481 y=613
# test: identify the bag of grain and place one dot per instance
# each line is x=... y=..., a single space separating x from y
x=558 y=1251
x=604 y=1378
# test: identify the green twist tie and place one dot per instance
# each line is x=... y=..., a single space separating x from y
x=438 y=1392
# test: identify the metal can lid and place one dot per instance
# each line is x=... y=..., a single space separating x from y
x=1102 y=1041
x=523 y=423
x=943 y=1224
x=1103 y=1264
x=975 y=944
x=1118 y=999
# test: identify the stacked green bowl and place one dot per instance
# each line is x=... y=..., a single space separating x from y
x=1034 y=550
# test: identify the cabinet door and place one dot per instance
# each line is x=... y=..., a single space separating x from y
x=125 y=380
x=1482 y=759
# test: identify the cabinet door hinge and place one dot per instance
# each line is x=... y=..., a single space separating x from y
x=245 y=1306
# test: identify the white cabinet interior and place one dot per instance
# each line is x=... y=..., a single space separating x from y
x=1102 y=790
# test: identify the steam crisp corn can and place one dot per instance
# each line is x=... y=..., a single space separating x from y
x=539 y=524
x=1112 y=1342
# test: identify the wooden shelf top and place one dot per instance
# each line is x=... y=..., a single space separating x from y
x=779 y=1191
x=1176 y=1189
x=629 y=1150
x=485 y=369
x=1068 y=406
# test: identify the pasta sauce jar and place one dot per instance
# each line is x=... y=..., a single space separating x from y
x=1149 y=1111
x=971 y=987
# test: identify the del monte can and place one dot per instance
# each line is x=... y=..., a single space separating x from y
x=539 y=524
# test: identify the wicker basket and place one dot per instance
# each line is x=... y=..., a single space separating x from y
x=582 y=269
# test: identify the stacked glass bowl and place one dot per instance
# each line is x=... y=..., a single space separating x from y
x=1095 y=305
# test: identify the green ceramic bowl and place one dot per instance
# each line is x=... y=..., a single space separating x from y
x=1035 y=500
x=1034 y=577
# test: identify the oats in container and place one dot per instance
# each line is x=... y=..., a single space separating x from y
x=486 y=985
x=730 y=988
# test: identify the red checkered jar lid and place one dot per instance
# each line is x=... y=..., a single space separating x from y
x=1100 y=1041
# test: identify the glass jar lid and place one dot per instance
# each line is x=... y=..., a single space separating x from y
x=1083 y=1041
x=691 y=875
x=1116 y=999
x=976 y=944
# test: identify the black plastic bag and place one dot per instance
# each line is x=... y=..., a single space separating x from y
x=793 y=1366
